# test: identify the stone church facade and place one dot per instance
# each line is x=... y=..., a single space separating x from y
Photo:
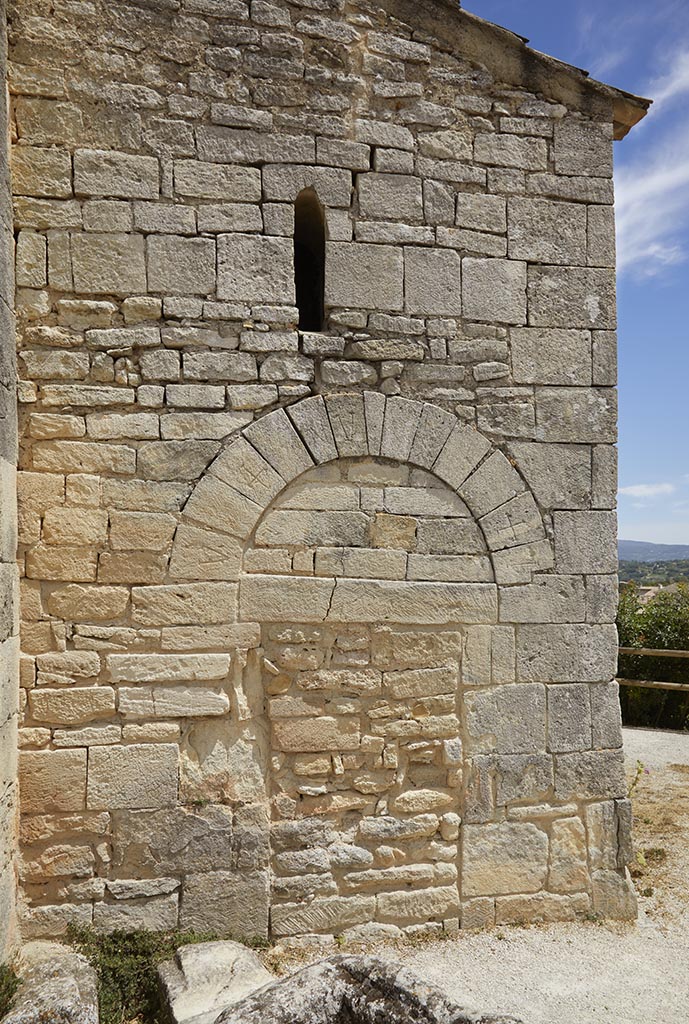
x=316 y=360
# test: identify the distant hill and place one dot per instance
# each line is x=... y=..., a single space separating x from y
x=642 y=551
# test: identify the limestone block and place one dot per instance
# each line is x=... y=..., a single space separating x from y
x=543 y=908
x=305 y=735
x=252 y=396
x=400 y=425
x=481 y=213
x=543 y=231
x=585 y=542
x=274 y=598
x=206 y=978
x=606 y=716
x=30 y=260
x=328 y=914
x=278 y=442
x=255 y=269
x=494 y=290
x=420 y=682
x=559 y=475
x=142 y=531
x=52 y=781
x=241 y=466
x=234 y=146
x=604 y=473
x=151 y=668
x=488 y=655
x=493 y=483
x=434 y=428
x=604 y=356
x=614 y=896
x=343 y=374
x=601 y=237
x=507 y=719
x=569 y=718
x=165 y=218
x=546 y=599
x=502 y=859
x=394 y=532
x=158 y=913
x=64 y=564
x=135 y=776
x=172 y=702
x=72 y=706
x=374 y=412
x=75 y=526
x=583 y=147
x=214 y=504
x=204 y=555
x=115 y=426
x=568 y=857
x=99 y=172
x=449 y=537
x=181 y=266
x=41 y=172
x=602 y=598
x=412 y=602
x=284 y=182
x=308 y=529
x=516 y=523
x=310 y=417
x=336 y=153
x=382 y=133
x=478 y=913
x=184 y=603
x=432 y=282
x=450 y=568
x=362 y=276
x=195 y=396
x=223 y=217
x=131 y=567
x=511 y=151
x=576 y=414
x=563 y=653
x=217 y=181
x=69 y=665
x=108 y=263
x=460 y=454
x=390 y=197
x=173 y=841
x=347 y=415
x=278 y=368
x=551 y=356
x=591 y=775
x=572 y=297
x=419 y=905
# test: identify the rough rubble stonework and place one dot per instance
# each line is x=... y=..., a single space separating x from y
x=317 y=627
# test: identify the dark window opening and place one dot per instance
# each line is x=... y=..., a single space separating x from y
x=309 y=260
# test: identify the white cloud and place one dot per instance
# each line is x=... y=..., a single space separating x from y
x=647 y=490
x=672 y=84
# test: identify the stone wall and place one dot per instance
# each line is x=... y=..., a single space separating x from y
x=9 y=582
x=293 y=663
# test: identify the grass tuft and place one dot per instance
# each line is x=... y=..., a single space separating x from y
x=9 y=983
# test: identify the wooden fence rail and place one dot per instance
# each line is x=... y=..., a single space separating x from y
x=648 y=652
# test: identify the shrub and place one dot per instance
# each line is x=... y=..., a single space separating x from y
x=126 y=963
x=662 y=624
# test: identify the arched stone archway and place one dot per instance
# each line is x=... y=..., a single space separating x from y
x=370 y=538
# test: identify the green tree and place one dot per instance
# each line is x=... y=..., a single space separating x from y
x=661 y=624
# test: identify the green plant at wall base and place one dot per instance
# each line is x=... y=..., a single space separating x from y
x=126 y=963
x=9 y=983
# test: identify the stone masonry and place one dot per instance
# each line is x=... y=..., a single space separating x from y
x=317 y=627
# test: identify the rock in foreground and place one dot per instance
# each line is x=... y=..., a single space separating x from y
x=205 y=979
x=58 y=986
x=352 y=990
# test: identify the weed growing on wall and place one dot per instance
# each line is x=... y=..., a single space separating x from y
x=9 y=982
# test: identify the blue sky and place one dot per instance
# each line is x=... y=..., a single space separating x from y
x=644 y=48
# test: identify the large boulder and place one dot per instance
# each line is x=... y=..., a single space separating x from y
x=58 y=986
x=204 y=979
x=352 y=990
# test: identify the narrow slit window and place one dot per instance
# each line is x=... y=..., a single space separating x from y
x=309 y=260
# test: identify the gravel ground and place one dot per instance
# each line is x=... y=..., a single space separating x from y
x=590 y=973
